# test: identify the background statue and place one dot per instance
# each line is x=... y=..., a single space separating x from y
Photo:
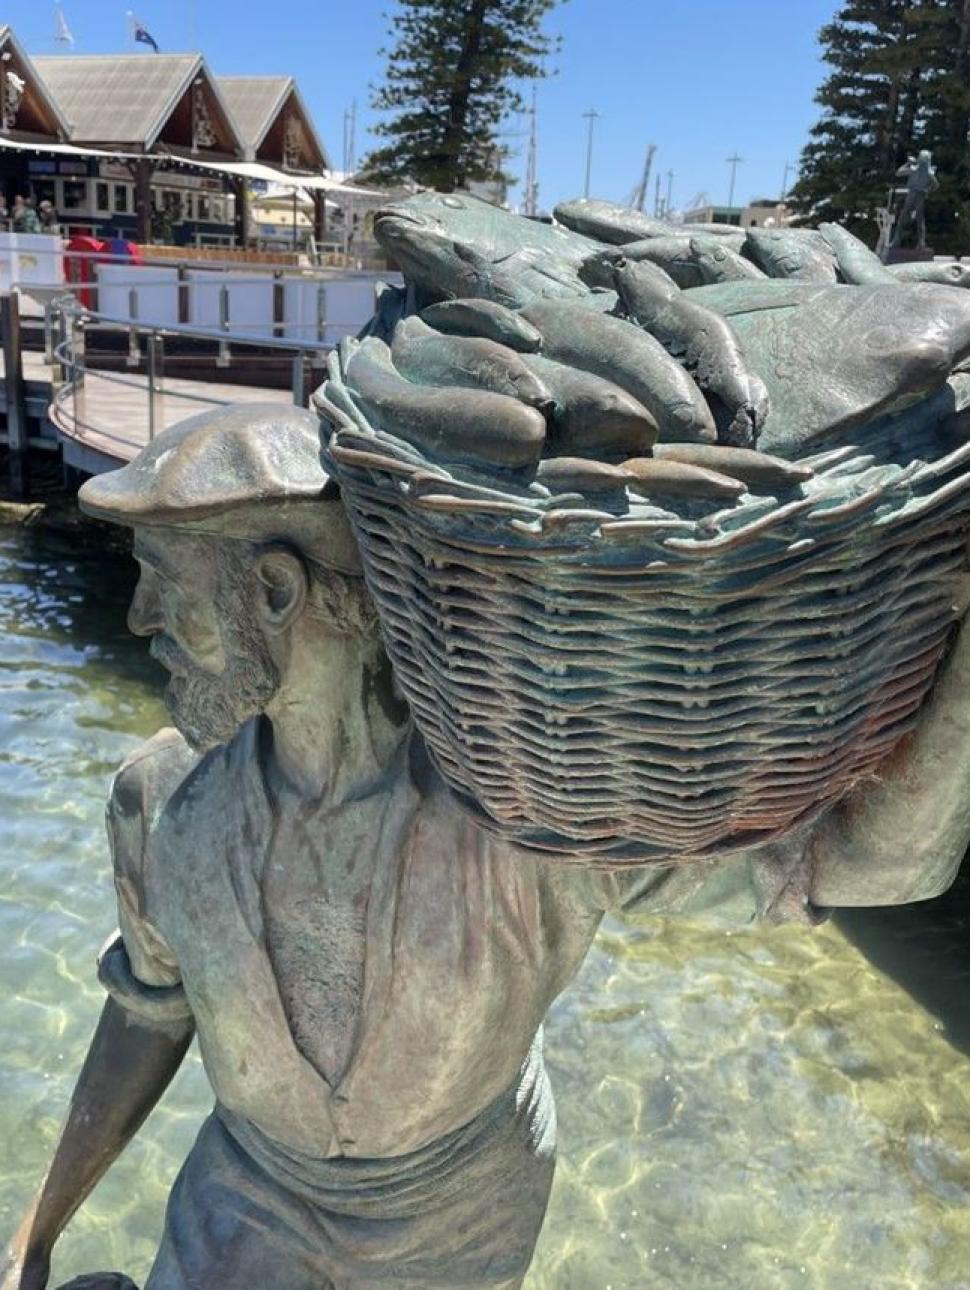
x=921 y=180
x=366 y=963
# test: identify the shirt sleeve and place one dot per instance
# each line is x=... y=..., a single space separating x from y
x=769 y=884
x=138 y=965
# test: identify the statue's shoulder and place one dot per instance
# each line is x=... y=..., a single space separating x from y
x=149 y=776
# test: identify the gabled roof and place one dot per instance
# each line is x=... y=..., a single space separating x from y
x=38 y=114
x=258 y=105
x=127 y=100
x=255 y=102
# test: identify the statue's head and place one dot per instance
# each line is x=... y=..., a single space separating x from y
x=244 y=549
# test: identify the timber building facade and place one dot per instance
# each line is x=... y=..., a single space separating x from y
x=153 y=146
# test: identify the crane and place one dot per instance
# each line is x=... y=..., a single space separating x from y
x=639 y=197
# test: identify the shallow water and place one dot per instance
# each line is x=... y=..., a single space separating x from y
x=763 y=1110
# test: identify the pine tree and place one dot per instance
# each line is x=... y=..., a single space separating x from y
x=450 y=82
x=871 y=103
x=901 y=82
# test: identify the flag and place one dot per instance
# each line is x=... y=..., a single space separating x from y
x=62 y=31
x=140 y=33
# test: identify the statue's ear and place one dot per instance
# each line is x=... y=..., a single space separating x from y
x=282 y=579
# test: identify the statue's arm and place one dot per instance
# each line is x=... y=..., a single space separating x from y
x=145 y=1026
x=901 y=834
x=129 y=1065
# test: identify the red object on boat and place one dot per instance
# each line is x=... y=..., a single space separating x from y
x=79 y=266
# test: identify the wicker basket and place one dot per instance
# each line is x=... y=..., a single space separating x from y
x=647 y=685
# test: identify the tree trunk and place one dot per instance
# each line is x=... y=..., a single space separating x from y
x=887 y=132
x=458 y=100
x=907 y=122
x=959 y=123
x=143 y=169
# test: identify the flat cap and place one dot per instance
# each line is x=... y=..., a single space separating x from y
x=250 y=471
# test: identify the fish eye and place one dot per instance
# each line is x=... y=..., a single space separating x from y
x=453 y=201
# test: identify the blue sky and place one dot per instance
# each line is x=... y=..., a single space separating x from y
x=699 y=78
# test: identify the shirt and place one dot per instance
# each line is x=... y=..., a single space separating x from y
x=467 y=939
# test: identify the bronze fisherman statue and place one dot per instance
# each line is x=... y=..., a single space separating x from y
x=366 y=969
x=365 y=963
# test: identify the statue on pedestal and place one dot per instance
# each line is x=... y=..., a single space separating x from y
x=921 y=180
x=365 y=959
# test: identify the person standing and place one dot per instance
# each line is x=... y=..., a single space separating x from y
x=24 y=216
x=47 y=218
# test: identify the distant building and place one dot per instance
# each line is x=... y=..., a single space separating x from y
x=766 y=212
x=714 y=215
x=154 y=147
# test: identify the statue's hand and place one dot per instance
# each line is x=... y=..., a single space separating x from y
x=900 y=834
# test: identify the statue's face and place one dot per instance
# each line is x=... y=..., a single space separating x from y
x=196 y=601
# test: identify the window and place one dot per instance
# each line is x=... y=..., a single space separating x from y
x=172 y=203
x=75 y=194
x=101 y=198
x=121 y=198
x=202 y=207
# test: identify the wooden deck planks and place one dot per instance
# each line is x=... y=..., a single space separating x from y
x=112 y=412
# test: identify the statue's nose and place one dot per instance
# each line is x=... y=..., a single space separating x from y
x=145 y=611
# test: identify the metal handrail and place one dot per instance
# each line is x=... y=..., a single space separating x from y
x=221 y=266
x=66 y=318
x=205 y=333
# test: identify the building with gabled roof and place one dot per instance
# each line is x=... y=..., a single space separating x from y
x=273 y=123
x=142 y=103
x=29 y=110
x=146 y=106
x=153 y=146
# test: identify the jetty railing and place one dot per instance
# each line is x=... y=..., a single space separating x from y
x=67 y=324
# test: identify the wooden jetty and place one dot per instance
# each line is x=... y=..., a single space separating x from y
x=55 y=399
x=106 y=423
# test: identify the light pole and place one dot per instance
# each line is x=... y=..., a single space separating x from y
x=733 y=162
x=591 y=117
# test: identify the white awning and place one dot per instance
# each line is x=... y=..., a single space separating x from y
x=243 y=169
x=65 y=149
x=269 y=175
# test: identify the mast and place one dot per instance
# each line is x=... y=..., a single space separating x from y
x=640 y=193
x=531 y=168
x=589 y=116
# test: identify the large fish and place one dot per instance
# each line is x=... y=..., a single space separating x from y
x=453 y=246
x=949 y=273
x=474 y=426
x=722 y=263
x=621 y=352
x=846 y=355
x=791 y=253
x=691 y=260
x=740 y=297
x=483 y=318
x=590 y=415
x=857 y=264
x=428 y=357
x=608 y=222
x=704 y=341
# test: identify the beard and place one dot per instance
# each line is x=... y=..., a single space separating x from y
x=209 y=708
